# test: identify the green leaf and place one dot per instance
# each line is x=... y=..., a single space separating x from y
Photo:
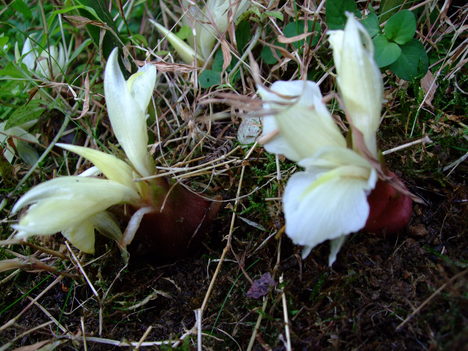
x=12 y=71
x=209 y=78
x=267 y=56
x=386 y=52
x=389 y=7
x=218 y=61
x=413 y=61
x=3 y=41
x=295 y=28
x=277 y=14
x=371 y=23
x=401 y=27
x=20 y=6
x=26 y=152
x=32 y=110
x=335 y=12
x=243 y=35
x=98 y=9
x=184 y=32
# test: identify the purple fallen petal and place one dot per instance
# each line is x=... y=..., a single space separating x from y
x=261 y=286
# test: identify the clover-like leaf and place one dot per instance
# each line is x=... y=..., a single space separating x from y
x=413 y=61
x=401 y=27
x=386 y=52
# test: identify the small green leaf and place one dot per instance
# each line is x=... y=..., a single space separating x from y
x=26 y=152
x=267 y=56
x=218 y=61
x=295 y=28
x=389 y=7
x=3 y=41
x=138 y=39
x=25 y=113
x=386 y=52
x=276 y=14
x=184 y=32
x=12 y=71
x=401 y=27
x=335 y=12
x=243 y=35
x=209 y=78
x=413 y=61
x=371 y=23
x=20 y=6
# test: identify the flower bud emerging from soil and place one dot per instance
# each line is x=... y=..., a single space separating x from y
x=167 y=218
x=390 y=210
x=338 y=192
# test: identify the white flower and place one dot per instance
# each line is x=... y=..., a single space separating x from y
x=328 y=200
x=48 y=63
x=359 y=79
x=127 y=102
x=208 y=24
x=76 y=205
x=68 y=205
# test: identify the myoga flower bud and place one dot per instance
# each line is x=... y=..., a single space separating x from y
x=359 y=79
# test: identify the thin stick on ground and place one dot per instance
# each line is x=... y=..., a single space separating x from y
x=229 y=236
x=285 y=316
x=42 y=293
x=424 y=140
x=434 y=294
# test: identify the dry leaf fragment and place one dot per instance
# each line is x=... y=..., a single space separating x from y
x=261 y=286
x=429 y=85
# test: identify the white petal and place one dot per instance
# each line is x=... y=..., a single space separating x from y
x=328 y=158
x=277 y=145
x=336 y=207
x=113 y=168
x=126 y=116
x=81 y=236
x=335 y=247
x=141 y=85
x=302 y=118
x=214 y=21
x=67 y=201
x=28 y=54
x=359 y=79
x=107 y=225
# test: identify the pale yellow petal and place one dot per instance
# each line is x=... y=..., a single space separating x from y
x=67 y=201
x=81 y=236
x=112 y=167
x=359 y=79
x=302 y=118
x=186 y=53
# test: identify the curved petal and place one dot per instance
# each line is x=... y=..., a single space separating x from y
x=333 y=208
x=359 y=79
x=112 y=167
x=141 y=85
x=335 y=247
x=28 y=55
x=106 y=224
x=81 y=236
x=77 y=188
x=64 y=202
x=331 y=157
x=278 y=144
x=302 y=118
x=186 y=53
x=126 y=115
